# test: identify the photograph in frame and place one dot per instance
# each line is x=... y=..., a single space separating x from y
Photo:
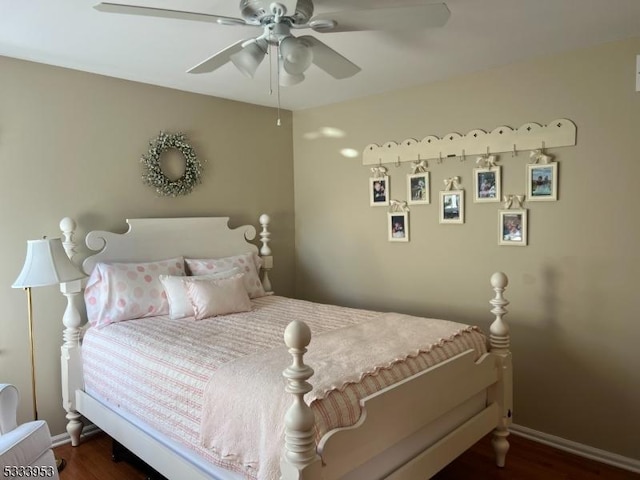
x=398 y=226
x=512 y=227
x=542 y=182
x=418 y=188
x=487 y=184
x=379 y=191
x=452 y=206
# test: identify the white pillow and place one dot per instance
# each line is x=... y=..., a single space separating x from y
x=179 y=303
x=213 y=297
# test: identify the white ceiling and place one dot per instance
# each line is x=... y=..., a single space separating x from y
x=479 y=34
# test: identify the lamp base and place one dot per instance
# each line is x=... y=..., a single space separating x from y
x=60 y=463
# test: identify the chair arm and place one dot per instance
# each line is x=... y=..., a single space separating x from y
x=25 y=443
x=8 y=408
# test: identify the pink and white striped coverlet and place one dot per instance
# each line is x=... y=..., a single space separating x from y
x=158 y=369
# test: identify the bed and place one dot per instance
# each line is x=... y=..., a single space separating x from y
x=403 y=414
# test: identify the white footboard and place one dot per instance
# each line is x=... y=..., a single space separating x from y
x=402 y=413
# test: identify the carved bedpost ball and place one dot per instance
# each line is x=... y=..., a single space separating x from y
x=67 y=224
x=297 y=335
x=264 y=219
x=499 y=280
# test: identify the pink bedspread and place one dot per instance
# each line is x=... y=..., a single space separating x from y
x=157 y=369
x=232 y=410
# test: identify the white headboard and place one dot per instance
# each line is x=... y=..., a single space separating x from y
x=150 y=239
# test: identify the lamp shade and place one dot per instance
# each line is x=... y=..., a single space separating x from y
x=296 y=55
x=249 y=58
x=46 y=264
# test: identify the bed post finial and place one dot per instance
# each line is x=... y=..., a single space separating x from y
x=68 y=227
x=265 y=251
x=300 y=448
x=503 y=393
x=499 y=329
x=265 y=234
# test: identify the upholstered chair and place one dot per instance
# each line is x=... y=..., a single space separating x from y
x=25 y=450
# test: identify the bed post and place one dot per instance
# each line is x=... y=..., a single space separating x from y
x=70 y=355
x=300 y=460
x=503 y=392
x=265 y=252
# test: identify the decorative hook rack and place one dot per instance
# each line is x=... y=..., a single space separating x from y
x=530 y=136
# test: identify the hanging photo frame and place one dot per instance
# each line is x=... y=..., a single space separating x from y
x=452 y=206
x=487 y=184
x=542 y=182
x=451 y=202
x=379 y=191
x=418 y=188
x=512 y=227
x=398 y=226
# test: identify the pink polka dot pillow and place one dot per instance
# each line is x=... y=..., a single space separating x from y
x=125 y=291
x=248 y=263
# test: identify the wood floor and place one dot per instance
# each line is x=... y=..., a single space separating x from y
x=526 y=460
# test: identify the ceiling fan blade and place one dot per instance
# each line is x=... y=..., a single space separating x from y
x=329 y=60
x=219 y=59
x=387 y=18
x=165 y=13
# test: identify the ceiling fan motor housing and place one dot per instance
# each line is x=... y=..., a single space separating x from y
x=257 y=12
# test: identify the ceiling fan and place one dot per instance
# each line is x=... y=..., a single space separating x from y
x=295 y=54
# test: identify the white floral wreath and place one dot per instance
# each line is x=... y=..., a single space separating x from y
x=155 y=177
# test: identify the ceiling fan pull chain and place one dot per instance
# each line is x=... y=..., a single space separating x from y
x=270 y=51
x=278 y=122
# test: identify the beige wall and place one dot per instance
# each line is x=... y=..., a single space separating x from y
x=70 y=145
x=574 y=305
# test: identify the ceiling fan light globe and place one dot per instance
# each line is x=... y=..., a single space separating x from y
x=296 y=55
x=248 y=59
x=295 y=68
x=288 y=80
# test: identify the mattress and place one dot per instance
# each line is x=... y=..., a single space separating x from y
x=156 y=369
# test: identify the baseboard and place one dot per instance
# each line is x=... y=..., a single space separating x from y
x=64 y=438
x=577 y=448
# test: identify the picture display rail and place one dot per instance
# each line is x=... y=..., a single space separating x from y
x=530 y=136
